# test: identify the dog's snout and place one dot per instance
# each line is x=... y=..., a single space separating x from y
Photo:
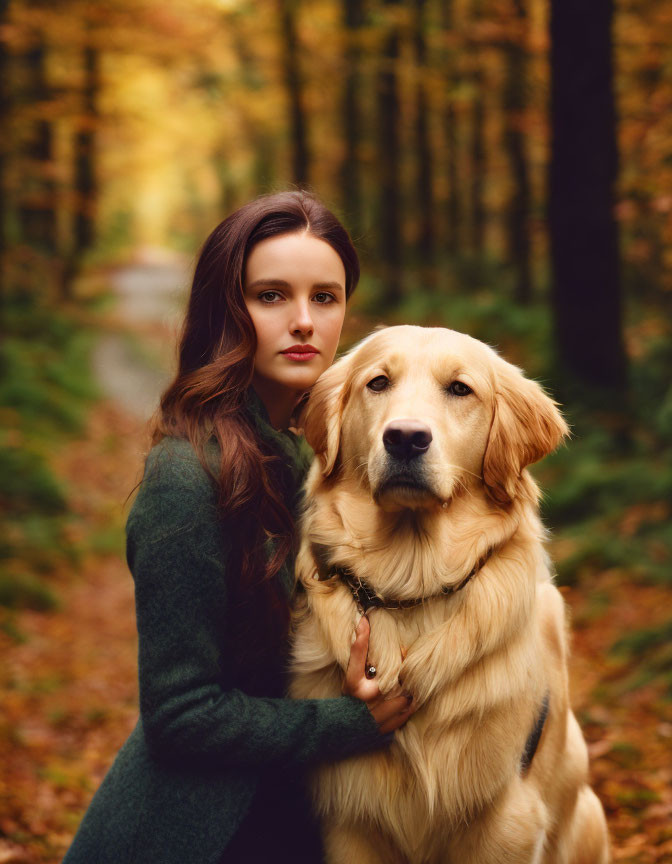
x=405 y=439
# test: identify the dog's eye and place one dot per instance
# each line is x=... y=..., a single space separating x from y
x=458 y=388
x=380 y=382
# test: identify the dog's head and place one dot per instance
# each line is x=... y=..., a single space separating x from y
x=416 y=414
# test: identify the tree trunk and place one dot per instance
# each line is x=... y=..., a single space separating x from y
x=477 y=143
x=351 y=179
x=294 y=84
x=478 y=169
x=454 y=209
x=260 y=144
x=518 y=209
x=5 y=113
x=454 y=206
x=424 y=193
x=86 y=184
x=37 y=211
x=84 y=171
x=584 y=163
x=388 y=158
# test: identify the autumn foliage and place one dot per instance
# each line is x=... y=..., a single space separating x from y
x=451 y=137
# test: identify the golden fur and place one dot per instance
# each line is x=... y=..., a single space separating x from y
x=450 y=787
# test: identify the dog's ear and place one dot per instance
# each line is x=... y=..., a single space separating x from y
x=323 y=414
x=526 y=426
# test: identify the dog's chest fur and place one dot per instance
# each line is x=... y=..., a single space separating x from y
x=447 y=651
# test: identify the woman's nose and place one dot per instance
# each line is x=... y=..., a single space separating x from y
x=302 y=321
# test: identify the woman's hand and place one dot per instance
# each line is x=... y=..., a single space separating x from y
x=389 y=714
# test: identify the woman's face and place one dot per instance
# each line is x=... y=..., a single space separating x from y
x=295 y=293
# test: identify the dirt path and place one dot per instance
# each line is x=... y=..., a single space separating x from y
x=132 y=364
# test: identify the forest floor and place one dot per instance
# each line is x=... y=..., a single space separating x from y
x=68 y=681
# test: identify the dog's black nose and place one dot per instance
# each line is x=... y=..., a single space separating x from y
x=406 y=439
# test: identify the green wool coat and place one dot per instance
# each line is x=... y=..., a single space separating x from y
x=186 y=777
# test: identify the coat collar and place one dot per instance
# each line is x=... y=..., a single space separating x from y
x=293 y=449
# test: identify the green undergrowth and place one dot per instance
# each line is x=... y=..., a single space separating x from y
x=608 y=501
x=522 y=334
x=45 y=390
x=647 y=654
x=609 y=490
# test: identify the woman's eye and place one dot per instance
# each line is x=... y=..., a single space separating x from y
x=323 y=297
x=380 y=382
x=269 y=296
x=458 y=388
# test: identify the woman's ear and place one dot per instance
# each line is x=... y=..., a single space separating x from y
x=323 y=414
x=526 y=426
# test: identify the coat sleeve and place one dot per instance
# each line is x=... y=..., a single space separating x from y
x=177 y=553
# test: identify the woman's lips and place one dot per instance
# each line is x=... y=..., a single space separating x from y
x=300 y=352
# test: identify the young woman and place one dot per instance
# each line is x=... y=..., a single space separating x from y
x=212 y=771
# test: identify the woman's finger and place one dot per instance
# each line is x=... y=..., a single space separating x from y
x=391 y=721
x=386 y=709
x=358 y=651
x=360 y=646
x=393 y=724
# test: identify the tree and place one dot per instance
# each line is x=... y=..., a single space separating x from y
x=518 y=209
x=424 y=176
x=86 y=184
x=389 y=155
x=477 y=139
x=353 y=18
x=85 y=172
x=5 y=111
x=294 y=84
x=454 y=206
x=38 y=199
x=260 y=142
x=584 y=162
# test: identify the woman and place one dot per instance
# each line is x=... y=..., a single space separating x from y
x=212 y=771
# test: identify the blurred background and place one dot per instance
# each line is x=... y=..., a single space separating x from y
x=505 y=168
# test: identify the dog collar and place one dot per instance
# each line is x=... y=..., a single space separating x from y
x=367 y=598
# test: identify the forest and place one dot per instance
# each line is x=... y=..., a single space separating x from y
x=504 y=168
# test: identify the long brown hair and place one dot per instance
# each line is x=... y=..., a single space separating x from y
x=208 y=396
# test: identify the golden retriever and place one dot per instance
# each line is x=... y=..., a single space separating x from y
x=420 y=491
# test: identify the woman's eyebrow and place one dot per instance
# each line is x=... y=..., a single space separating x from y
x=281 y=283
x=275 y=283
x=331 y=286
